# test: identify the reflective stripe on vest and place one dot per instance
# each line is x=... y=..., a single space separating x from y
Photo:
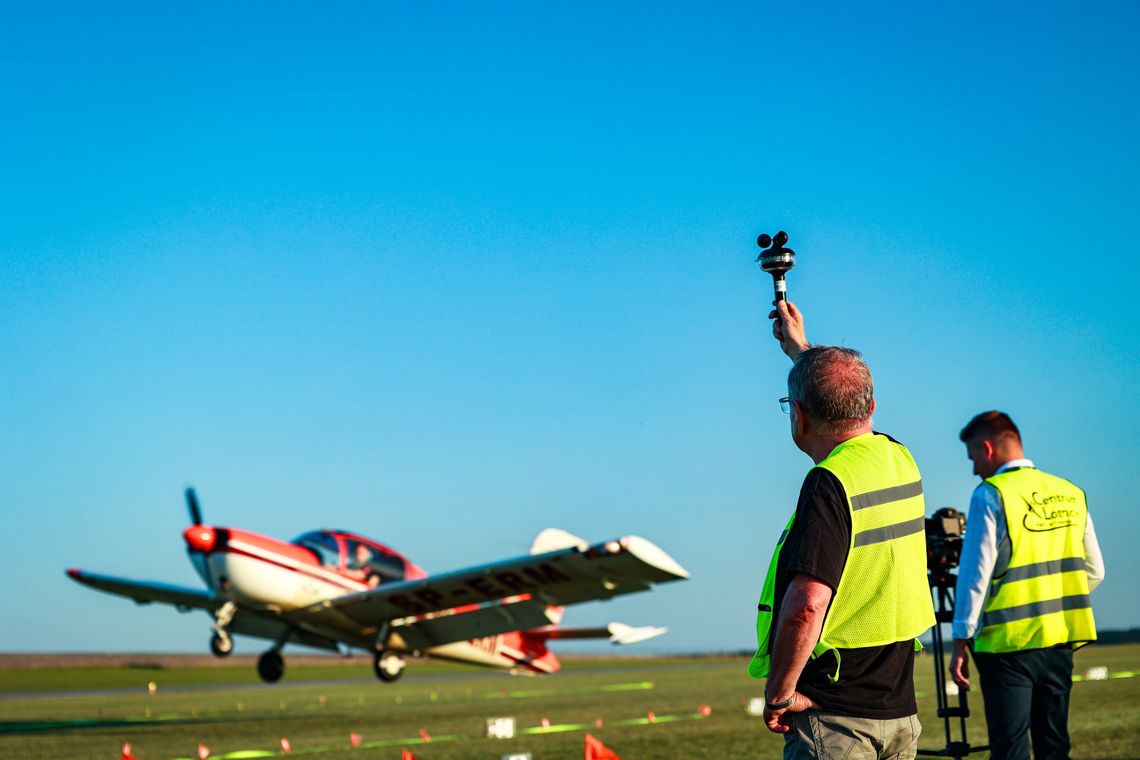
x=883 y=595
x=1042 y=599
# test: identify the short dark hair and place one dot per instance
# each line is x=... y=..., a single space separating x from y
x=991 y=424
x=834 y=387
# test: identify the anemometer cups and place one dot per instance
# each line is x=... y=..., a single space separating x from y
x=776 y=260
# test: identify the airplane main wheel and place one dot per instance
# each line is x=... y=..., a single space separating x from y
x=271 y=666
x=221 y=645
x=389 y=666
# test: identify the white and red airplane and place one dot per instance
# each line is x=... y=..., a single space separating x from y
x=330 y=589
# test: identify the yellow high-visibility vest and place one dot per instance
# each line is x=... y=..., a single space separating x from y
x=883 y=595
x=1042 y=599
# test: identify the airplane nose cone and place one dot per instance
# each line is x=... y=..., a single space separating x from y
x=200 y=538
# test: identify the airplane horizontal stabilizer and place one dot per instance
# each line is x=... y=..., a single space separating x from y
x=617 y=633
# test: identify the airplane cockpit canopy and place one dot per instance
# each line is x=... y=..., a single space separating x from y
x=323 y=545
x=354 y=555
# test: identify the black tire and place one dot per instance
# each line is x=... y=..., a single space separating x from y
x=221 y=646
x=271 y=666
x=388 y=666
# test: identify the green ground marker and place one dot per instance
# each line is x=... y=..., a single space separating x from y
x=529 y=693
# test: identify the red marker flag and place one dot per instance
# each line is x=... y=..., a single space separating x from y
x=354 y=739
x=651 y=716
x=286 y=747
x=704 y=710
x=425 y=736
x=595 y=750
x=127 y=752
x=203 y=751
x=405 y=755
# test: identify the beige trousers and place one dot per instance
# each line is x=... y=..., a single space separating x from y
x=822 y=736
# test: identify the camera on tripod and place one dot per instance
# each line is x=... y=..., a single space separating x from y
x=944 y=532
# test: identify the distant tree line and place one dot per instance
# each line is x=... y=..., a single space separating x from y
x=1129 y=636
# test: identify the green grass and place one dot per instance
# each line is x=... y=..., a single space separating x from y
x=1105 y=716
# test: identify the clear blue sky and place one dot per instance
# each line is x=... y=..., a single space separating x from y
x=447 y=274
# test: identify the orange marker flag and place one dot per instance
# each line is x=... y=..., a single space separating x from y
x=651 y=716
x=405 y=755
x=595 y=750
x=425 y=736
x=127 y=752
x=354 y=739
x=203 y=751
x=704 y=710
x=286 y=747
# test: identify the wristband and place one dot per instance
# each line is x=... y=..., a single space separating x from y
x=780 y=705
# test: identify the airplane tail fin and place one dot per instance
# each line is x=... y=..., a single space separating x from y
x=553 y=539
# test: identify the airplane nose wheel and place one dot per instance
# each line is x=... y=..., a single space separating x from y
x=271 y=666
x=221 y=645
x=389 y=666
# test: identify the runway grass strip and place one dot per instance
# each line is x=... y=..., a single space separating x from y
x=197 y=715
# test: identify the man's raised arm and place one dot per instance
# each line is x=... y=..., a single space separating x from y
x=788 y=328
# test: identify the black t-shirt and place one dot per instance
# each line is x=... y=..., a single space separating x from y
x=874 y=682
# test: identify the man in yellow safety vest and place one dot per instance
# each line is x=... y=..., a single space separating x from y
x=846 y=593
x=1029 y=559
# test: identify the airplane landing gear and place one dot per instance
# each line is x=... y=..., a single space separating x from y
x=389 y=666
x=271 y=666
x=221 y=645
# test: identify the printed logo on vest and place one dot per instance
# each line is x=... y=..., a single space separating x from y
x=1049 y=512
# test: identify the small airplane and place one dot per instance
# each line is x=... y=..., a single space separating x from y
x=330 y=589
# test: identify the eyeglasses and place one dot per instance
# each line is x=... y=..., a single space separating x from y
x=786 y=405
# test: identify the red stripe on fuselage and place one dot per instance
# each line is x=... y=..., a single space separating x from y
x=339 y=580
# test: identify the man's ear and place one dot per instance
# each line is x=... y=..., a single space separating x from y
x=989 y=448
x=803 y=424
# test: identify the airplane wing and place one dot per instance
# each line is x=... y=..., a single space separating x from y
x=265 y=626
x=184 y=599
x=145 y=592
x=500 y=596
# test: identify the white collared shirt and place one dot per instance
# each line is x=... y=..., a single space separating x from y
x=986 y=550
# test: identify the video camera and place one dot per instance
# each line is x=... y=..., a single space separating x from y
x=944 y=533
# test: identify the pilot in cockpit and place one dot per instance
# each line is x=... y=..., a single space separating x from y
x=360 y=566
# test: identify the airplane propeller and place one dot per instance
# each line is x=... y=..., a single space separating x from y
x=192 y=505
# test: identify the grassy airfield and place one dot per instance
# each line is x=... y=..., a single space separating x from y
x=53 y=713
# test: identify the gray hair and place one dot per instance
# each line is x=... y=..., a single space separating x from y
x=834 y=387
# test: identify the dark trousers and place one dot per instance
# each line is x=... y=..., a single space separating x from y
x=1027 y=692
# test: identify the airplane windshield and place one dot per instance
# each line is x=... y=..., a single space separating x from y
x=323 y=545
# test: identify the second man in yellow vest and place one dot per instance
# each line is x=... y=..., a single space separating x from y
x=1030 y=557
